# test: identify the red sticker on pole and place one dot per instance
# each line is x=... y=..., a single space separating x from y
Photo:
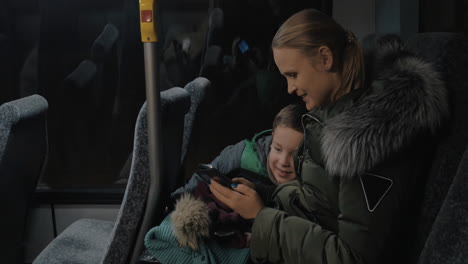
x=147 y=16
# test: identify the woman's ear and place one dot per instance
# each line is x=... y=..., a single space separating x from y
x=326 y=57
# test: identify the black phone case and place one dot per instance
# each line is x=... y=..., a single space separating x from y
x=207 y=172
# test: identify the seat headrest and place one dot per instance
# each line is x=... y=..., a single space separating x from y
x=104 y=43
x=216 y=20
x=21 y=109
x=175 y=101
x=15 y=111
x=82 y=75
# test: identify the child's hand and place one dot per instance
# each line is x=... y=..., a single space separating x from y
x=242 y=199
x=244 y=181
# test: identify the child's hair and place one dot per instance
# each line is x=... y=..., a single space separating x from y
x=290 y=116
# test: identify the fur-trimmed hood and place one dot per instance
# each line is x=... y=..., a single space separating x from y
x=407 y=97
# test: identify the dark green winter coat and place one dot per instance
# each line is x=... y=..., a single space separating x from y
x=358 y=165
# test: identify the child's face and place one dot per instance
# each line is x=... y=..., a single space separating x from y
x=280 y=160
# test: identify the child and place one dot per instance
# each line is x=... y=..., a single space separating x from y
x=268 y=156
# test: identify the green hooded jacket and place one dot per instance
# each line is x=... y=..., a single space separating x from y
x=358 y=165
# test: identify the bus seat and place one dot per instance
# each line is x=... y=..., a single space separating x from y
x=212 y=66
x=447 y=51
x=23 y=154
x=447 y=241
x=8 y=70
x=175 y=105
x=213 y=54
x=128 y=99
x=82 y=75
x=96 y=241
x=215 y=27
x=74 y=136
x=105 y=53
x=28 y=76
x=198 y=90
x=104 y=43
x=88 y=147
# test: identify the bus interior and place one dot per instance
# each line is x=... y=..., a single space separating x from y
x=74 y=160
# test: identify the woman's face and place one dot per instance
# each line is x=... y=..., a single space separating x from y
x=280 y=159
x=309 y=78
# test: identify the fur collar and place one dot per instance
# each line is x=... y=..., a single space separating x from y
x=406 y=98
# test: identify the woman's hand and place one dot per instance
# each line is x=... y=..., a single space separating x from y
x=245 y=182
x=242 y=199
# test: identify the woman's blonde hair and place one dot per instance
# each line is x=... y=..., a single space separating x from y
x=309 y=29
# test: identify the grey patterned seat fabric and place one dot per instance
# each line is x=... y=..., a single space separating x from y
x=94 y=241
x=447 y=242
x=84 y=241
x=23 y=154
x=448 y=53
x=198 y=90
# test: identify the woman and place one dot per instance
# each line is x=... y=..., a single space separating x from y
x=360 y=153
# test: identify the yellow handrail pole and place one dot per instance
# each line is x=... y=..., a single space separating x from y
x=149 y=37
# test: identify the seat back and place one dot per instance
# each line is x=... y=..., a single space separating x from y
x=447 y=51
x=8 y=70
x=77 y=127
x=85 y=150
x=23 y=152
x=447 y=241
x=104 y=43
x=198 y=90
x=214 y=35
x=126 y=235
x=214 y=38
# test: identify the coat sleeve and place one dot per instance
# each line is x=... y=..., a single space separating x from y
x=278 y=237
x=265 y=191
x=227 y=160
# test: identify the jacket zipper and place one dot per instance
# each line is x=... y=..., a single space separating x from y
x=301 y=157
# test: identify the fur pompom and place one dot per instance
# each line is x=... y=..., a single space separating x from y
x=190 y=221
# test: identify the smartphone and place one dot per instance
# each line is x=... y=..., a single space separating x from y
x=208 y=172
